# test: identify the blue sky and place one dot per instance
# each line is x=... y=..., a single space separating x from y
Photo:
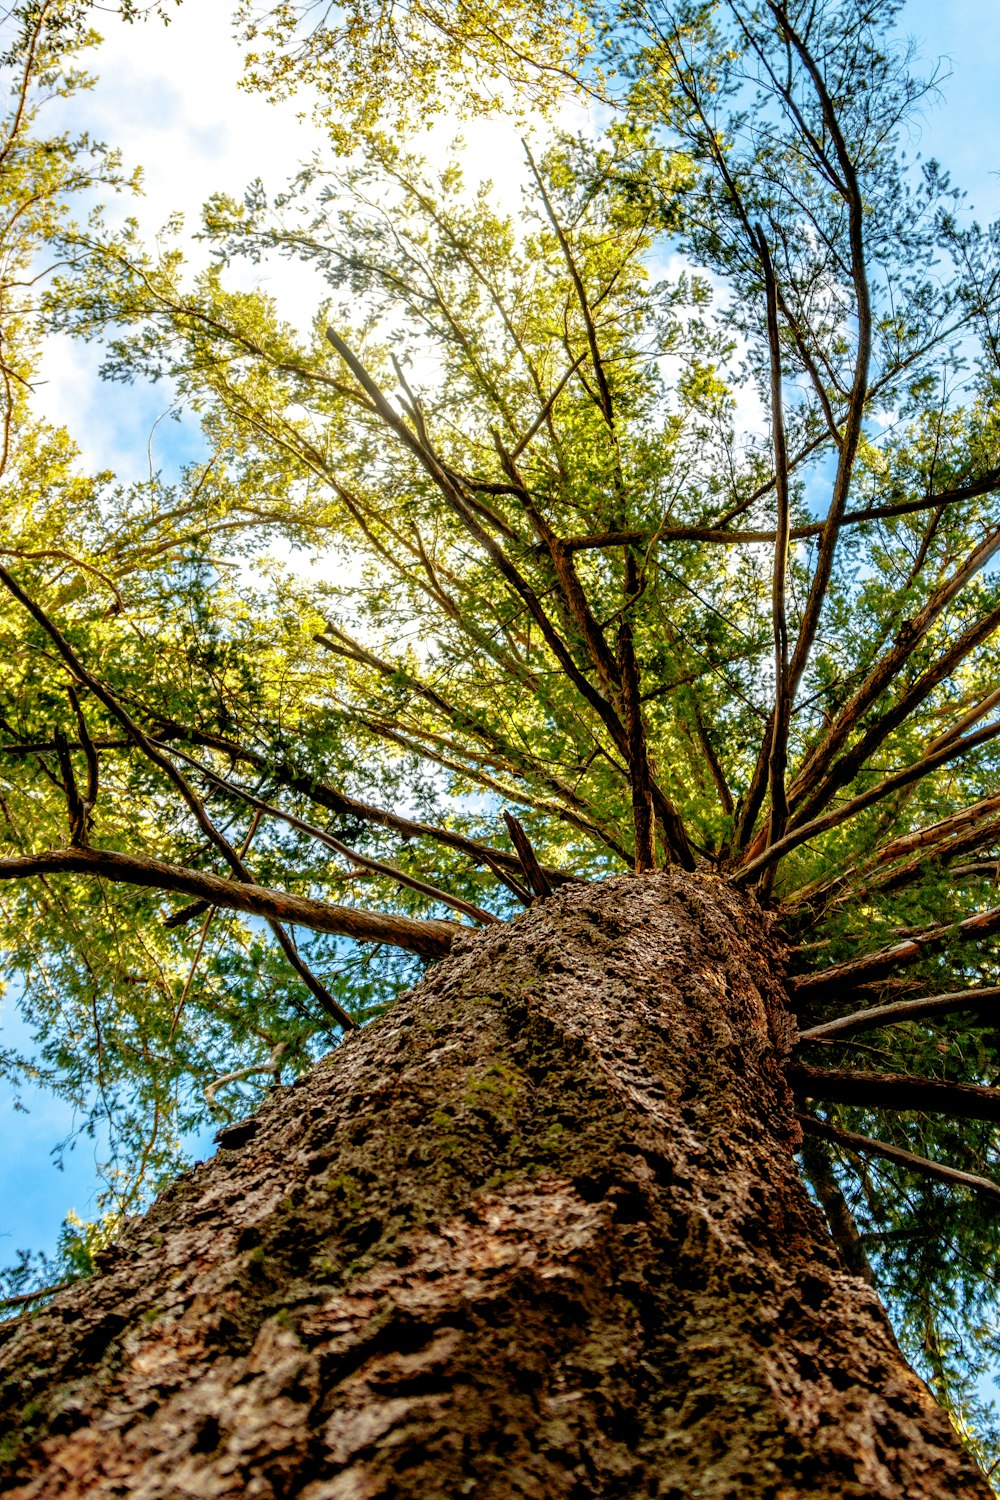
x=961 y=130
x=171 y=101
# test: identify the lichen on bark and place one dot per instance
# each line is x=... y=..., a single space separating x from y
x=537 y=1233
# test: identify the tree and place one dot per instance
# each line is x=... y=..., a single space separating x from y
x=665 y=515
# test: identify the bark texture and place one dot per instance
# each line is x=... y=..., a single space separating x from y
x=538 y=1233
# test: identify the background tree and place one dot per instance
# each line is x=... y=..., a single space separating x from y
x=657 y=522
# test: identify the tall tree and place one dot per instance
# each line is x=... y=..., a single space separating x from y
x=656 y=604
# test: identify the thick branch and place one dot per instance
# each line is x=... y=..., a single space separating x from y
x=89 y=751
x=945 y=829
x=896 y=877
x=978 y=711
x=900 y=1011
x=959 y=833
x=775 y=755
x=570 y=587
x=819 y=1170
x=431 y=939
x=75 y=813
x=639 y=778
x=911 y=950
x=815 y=785
x=673 y=827
x=851 y=437
x=964 y=1101
x=863 y=1145
x=534 y=875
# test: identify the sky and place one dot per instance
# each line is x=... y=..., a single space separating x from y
x=168 y=97
x=961 y=128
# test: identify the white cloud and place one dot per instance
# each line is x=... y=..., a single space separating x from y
x=168 y=96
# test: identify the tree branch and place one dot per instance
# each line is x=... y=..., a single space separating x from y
x=910 y=950
x=819 y=1170
x=837 y=815
x=900 y=1011
x=163 y=763
x=851 y=191
x=499 y=753
x=596 y=700
x=24 y=1299
x=958 y=833
x=775 y=755
x=363 y=861
x=633 y=745
x=534 y=875
x=604 y=390
x=898 y=1091
x=863 y=1145
x=327 y=796
x=89 y=752
x=898 y=876
x=712 y=760
x=570 y=587
x=431 y=939
x=815 y=785
x=639 y=778
x=987 y=485
x=546 y=410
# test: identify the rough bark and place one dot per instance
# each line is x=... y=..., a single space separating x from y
x=537 y=1233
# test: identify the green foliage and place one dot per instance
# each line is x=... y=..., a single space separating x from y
x=487 y=56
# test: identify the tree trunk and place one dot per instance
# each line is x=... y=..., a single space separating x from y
x=537 y=1233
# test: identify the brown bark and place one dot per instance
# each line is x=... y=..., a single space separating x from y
x=538 y=1232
